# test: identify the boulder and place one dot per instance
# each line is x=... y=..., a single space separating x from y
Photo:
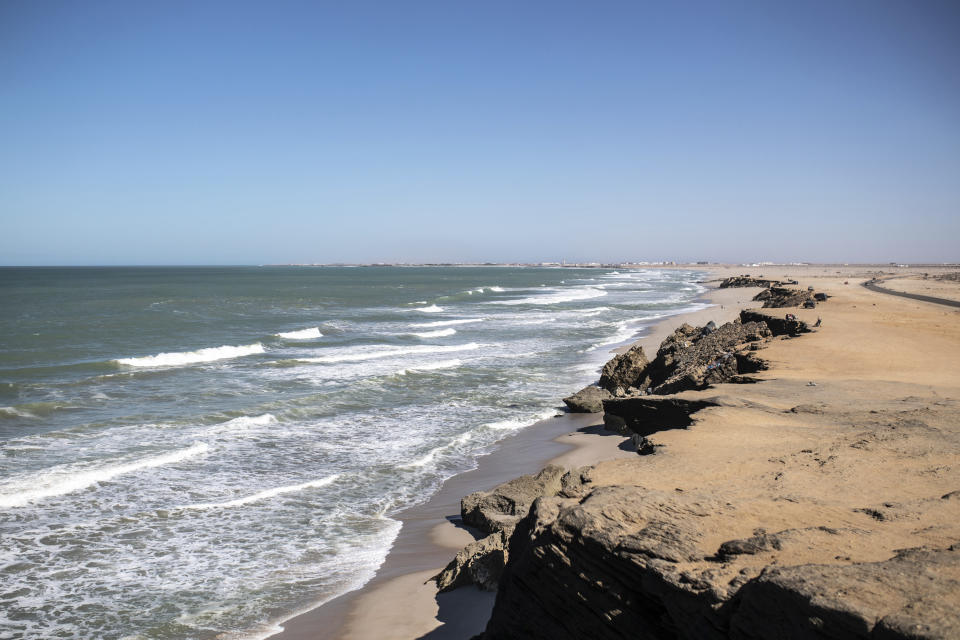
x=607 y=566
x=587 y=400
x=778 y=297
x=648 y=414
x=479 y=563
x=496 y=513
x=503 y=506
x=779 y=326
x=625 y=370
x=692 y=358
x=747 y=281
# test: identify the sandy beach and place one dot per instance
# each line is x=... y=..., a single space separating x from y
x=873 y=352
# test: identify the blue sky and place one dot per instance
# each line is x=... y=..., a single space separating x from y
x=274 y=132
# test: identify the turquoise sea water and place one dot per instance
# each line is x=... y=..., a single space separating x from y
x=200 y=452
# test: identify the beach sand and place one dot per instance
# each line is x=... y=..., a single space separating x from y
x=872 y=349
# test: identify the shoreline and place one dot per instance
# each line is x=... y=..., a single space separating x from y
x=400 y=601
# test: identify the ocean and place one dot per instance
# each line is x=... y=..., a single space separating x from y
x=200 y=452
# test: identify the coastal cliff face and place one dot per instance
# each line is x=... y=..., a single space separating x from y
x=796 y=542
x=787 y=509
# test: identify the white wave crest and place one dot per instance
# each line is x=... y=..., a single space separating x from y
x=431 y=309
x=13 y=412
x=625 y=330
x=58 y=481
x=535 y=321
x=180 y=358
x=252 y=421
x=439 y=333
x=517 y=423
x=568 y=295
x=425 y=460
x=446 y=323
x=302 y=334
x=432 y=366
x=243 y=422
x=263 y=495
x=368 y=353
x=592 y=311
x=482 y=289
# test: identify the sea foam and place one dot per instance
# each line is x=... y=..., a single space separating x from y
x=482 y=289
x=302 y=334
x=439 y=333
x=431 y=366
x=180 y=358
x=517 y=423
x=446 y=323
x=367 y=353
x=64 y=479
x=263 y=495
x=571 y=295
x=430 y=309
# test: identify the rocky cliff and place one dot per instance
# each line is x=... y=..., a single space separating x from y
x=787 y=509
x=747 y=281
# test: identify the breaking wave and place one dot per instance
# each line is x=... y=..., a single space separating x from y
x=263 y=495
x=302 y=334
x=439 y=333
x=180 y=358
x=430 y=309
x=447 y=323
x=432 y=366
x=558 y=297
x=368 y=353
x=65 y=479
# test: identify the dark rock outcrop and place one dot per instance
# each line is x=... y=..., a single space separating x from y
x=503 y=506
x=645 y=415
x=628 y=562
x=587 y=400
x=779 y=326
x=747 y=281
x=606 y=567
x=625 y=371
x=778 y=297
x=691 y=358
x=496 y=512
x=479 y=563
x=913 y=595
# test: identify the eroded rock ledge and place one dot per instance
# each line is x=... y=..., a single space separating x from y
x=628 y=562
x=690 y=358
x=831 y=517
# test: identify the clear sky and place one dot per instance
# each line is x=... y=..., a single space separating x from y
x=271 y=132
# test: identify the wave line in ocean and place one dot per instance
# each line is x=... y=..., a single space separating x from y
x=439 y=333
x=559 y=297
x=302 y=334
x=180 y=358
x=59 y=481
x=446 y=323
x=263 y=495
x=356 y=355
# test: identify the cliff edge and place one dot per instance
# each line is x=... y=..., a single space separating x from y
x=821 y=502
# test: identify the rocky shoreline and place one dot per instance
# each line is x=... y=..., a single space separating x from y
x=762 y=506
